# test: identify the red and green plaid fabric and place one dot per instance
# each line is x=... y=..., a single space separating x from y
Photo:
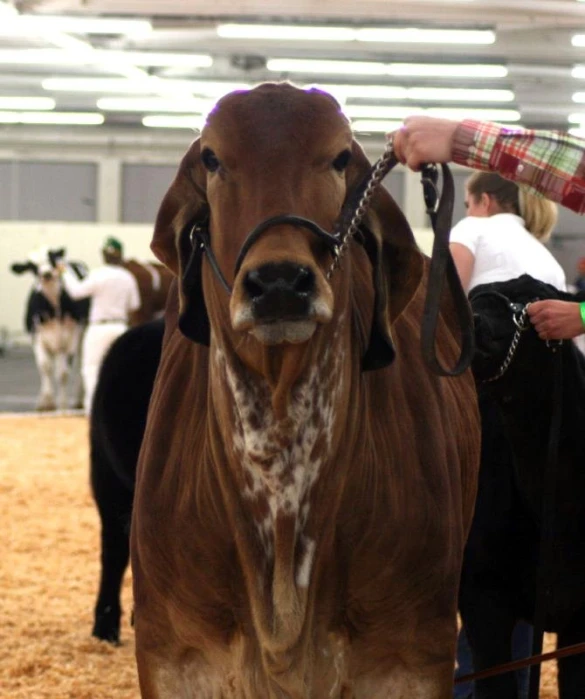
x=551 y=163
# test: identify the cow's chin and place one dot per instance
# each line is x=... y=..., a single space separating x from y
x=292 y=332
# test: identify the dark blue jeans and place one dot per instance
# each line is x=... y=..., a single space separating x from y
x=521 y=648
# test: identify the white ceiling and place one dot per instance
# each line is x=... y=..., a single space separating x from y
x=533 y=39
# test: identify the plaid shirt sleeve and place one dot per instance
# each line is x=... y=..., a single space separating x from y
x=550 y=163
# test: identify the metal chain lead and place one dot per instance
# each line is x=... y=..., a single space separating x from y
x=522 y=325
x=379 y=171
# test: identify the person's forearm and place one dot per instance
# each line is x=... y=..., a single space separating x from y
x=549 y=163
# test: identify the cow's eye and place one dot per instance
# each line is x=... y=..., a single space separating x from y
x=342 y=160
x=209 y=160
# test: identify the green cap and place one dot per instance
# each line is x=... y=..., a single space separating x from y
x=113 y=245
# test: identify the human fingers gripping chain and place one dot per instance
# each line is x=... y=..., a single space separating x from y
x=424 y=139
x=557 y=320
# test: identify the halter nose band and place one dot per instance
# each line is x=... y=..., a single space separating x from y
x=201 y=235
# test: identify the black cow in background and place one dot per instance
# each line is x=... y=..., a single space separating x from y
x=118 y=419
x=56 y=323
x=500 y=564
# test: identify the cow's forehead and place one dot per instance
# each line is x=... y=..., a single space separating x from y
x=277 y=114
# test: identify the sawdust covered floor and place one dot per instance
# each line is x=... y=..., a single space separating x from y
x=49 y=569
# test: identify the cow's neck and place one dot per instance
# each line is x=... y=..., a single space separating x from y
x=279 y=446
x=52 y=292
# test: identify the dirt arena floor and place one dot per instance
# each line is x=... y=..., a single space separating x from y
x=49 y=571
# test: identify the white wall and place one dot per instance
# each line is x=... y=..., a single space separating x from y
x=83 y=242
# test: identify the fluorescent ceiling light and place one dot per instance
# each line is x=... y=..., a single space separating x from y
x=300 y=65
x=380 y=113
x=471 y=113
x=374 y=126
x=580 y=133
x=405 y=35
x=66 y=118
x=413 y=35
x=23 y=25
x=162 y=121
x=576 y=118
x=578 y=39
x=85 y=54
x=284 y=32
x=578 y=71
x=25 y=103
x=154 y=104
x=389 y=92
x=456 y=70
x=147 y=86
x=579 y=96
x=450 y=94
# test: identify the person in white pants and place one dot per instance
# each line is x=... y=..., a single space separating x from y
x=114 y=297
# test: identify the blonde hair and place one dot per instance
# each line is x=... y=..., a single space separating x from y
x=539 y=214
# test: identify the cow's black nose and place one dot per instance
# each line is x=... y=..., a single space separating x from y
x=280 y=291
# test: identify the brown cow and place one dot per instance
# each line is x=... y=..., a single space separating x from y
x=154 y=281
x=299 y=522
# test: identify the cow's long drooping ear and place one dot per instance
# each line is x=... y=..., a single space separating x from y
x=392 y=249
x=185 y=200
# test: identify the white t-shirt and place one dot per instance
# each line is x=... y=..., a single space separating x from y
x=112 y=289
x=503 y=249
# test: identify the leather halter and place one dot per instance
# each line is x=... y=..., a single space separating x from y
x=200 y=233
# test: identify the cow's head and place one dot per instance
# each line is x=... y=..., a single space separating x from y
x=42 y=263
x=498 y=317
x=272 y=151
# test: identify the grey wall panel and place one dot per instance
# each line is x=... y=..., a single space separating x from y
x=51 y=191
x=143 y=188
x=570 y=223
x=7 y=190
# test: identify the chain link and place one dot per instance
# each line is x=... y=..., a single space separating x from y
x=521 y=324
x=379 y=171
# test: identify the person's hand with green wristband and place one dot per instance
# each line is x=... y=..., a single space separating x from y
x=557 y=320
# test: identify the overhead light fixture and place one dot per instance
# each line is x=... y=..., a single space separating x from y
x=480 y=114
x=85 y=54
x=375 y=126
x=453 y=70
x=388 y=92
x=154 y=104
x=580 y=133
x=53 y=118
x=163 y=121
x=578 y=71
x=576 y=118
x=450 y=94
x=285 y=32
x=26 y=25
x=27 y=103
x=578 y=39
x=579 y=96
x=400 y=35
x=377 y=112
x=150 y=85
x=457 y=70
x=414 y=35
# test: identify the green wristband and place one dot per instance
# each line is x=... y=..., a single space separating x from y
x=582 y=309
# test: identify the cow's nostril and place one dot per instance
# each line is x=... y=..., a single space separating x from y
x=305 y=281
x=253 y=284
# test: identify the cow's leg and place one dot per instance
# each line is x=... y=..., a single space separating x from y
x=44 y=362
x=61 y=379
x=489 y=626
x=114 y=503
x=572 y=669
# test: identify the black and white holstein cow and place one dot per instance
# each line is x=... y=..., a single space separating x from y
x=501 y=561
x=56 y=324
